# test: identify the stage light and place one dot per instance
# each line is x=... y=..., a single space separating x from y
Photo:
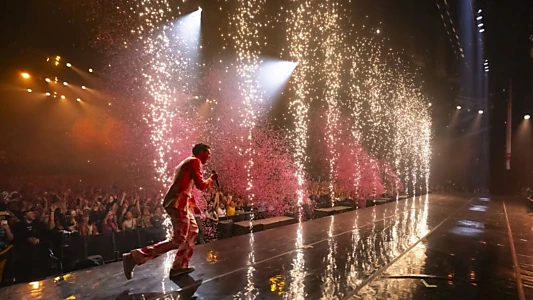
x=486 y=63
x=480 y=25
x=65 y=83
x=47 y=94
x=62 y=96
x=273 y=76
x=47 y=80
x=459 y=107
x=479 y=11
x=58 y=58
x=378 y=31
x=90 y=70
x=479 y=18
x=25 y=75
x=35 y=285
x=480 y=112
x=188 y=29
x=83 y=87
x=69 y=65
x=29 y=90
x=79 y=100
x=527 y=117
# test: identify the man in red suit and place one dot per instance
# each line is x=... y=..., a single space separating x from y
x=178 y=203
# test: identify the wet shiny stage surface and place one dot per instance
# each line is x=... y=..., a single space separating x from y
x=428 y=247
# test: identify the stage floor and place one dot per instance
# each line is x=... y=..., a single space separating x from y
x=428 y=247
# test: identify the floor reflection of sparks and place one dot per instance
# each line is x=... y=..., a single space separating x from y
x=405 y=233
x=331 y=282
x=353 y=277
x=167 y=265
x=298 y=272
x=212 y=257
x=251 y=291
x=277 y=284
x=167 y=224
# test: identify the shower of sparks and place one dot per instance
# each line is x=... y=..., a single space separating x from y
x=300 y=22
x=332 y=48
x=246 y=42
x=389 y=115
x=153 y=33
x=372 y=102
x=412 y=136
x=356 y=109
x=167 y=71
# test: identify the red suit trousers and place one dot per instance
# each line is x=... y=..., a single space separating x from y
x=184 y=233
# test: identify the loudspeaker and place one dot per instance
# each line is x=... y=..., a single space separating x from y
x=89 y=262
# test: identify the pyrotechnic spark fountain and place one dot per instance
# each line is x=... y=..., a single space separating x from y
x=389 y=125
x=300 y=20
x=167 y=60
x=356 y=108
x=332 y=47
x=246 y=38
x=158 y=76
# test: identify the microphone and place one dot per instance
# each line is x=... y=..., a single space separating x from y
x=216 y=181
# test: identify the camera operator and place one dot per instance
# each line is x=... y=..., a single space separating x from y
x=6 y=237
x=32 y=247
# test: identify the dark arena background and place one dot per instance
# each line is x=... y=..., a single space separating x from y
x=381 y=138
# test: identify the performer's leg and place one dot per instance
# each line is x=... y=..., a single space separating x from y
x=185 y=251
x=180 y=227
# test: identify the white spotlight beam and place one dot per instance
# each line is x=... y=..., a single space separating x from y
x=273 y=75
x=186 y=31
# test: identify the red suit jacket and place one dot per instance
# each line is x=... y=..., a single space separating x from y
x=187 y=175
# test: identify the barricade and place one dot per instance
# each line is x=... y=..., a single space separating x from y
x=110 y=246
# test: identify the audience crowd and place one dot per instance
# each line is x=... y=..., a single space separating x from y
x=33 y=220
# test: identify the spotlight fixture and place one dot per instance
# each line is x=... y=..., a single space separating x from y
x=90 y=70
x=459 y=107
x=47 y=94
x=29 y=91
x=65 y=83
x=527 y=117
x=69 y=65
x=47 y=80
x=25 y=75
x=79 y=100
x=83 y=87
x=62 y=96
x=480 y=112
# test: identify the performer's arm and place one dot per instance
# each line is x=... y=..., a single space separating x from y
x=196 y=175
